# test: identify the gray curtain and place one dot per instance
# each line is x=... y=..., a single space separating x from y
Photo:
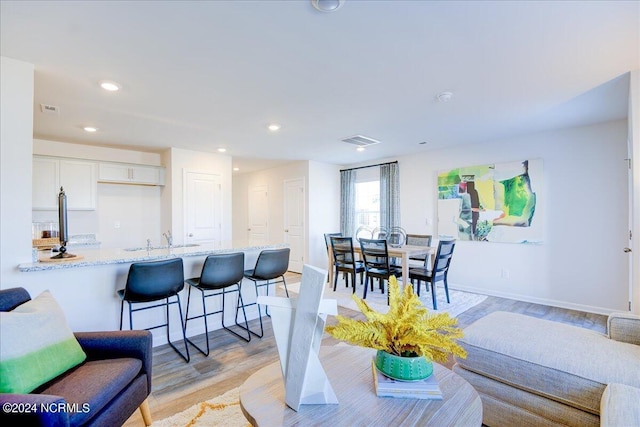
x=389 y=195
x=347 y=202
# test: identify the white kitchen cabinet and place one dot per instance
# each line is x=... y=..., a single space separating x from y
x=77 y=177
x=124 y=173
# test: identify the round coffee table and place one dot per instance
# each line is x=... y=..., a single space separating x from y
x=349 y=371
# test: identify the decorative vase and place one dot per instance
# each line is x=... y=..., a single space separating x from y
x=403 y=368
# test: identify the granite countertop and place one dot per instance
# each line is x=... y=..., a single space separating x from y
x=103 y=256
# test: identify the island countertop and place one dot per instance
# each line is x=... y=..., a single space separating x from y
x=106 y=256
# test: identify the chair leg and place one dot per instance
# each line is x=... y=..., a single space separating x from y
x=206 y=325
x=259 y=315
x=146 y=413
x=284 y=282
x=184 y=334
x=446 y=289
x=366 y=283
x=353 y=281
x=121 y=312
x=433 y=295
x=224 y=293
x=335 y=279
x=240 y=304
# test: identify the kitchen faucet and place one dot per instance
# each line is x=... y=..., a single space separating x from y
x=169 y=238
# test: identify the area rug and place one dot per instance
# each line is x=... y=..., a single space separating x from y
x=460 y=301
x=223 y=411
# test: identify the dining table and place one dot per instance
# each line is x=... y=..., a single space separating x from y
x=404 y=252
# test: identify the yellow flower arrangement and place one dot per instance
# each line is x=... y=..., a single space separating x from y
x=406 y=330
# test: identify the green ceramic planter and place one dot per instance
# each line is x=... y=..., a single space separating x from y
x=403 y=368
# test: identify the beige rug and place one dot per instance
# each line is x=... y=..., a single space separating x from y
x=223 y=411
x=460 y=301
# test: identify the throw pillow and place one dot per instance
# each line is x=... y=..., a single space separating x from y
x=36 y=345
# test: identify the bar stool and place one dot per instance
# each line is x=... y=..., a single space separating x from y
x=219 y=274
x=155 y=281
x=271 y=264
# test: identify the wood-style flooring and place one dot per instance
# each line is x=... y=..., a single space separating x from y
x=177 y=385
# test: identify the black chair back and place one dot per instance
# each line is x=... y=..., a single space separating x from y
x=375 y=254
x=150 y=281
x=327 y=238
x=272 y=263
x=222 y=270
x=342 y=248
x=443 y=258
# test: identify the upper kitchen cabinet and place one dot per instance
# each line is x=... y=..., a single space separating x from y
x=77 y=177
x=123 y=173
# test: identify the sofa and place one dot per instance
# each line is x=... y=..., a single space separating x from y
x=535 y=372
x=104 y=389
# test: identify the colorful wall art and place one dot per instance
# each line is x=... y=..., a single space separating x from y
x=492 y=203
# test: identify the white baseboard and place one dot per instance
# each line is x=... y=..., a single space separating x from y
x=543 y=301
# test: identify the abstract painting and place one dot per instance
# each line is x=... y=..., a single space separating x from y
x=492 y=203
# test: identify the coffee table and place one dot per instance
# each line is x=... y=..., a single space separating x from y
x=349 y=371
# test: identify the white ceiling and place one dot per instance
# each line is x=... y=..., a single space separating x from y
x=204 y=75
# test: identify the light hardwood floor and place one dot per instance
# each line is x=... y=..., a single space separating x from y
x=177 y=385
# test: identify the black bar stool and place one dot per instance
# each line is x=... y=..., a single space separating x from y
x=271 y=264
x=155 y=281
x=223 y=275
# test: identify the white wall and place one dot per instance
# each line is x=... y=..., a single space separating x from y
x=136 y=208
x=323 y=209
x=177 y=162
x=580 y=264
x=634 y=150
x=16 y=133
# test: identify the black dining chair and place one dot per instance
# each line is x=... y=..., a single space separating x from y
x=327 y=243
x=344 y=260
x=221 y=275
x=271 y=264
x=155 y=281
x=375 y=254
x=419 y=240
x=439 y=271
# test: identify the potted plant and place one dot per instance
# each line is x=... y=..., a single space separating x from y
x=408 y=338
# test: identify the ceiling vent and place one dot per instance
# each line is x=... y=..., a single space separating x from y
x=361 y=140
x=49 y=109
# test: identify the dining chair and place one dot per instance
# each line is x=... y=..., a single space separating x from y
x=419 y=240
x=327 y=242
x=439 y=271
x=271 y=265
x=221 y=275
x=155 y=281
x=375 y=255
x=344 y=260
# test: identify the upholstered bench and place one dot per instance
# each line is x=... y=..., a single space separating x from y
x=532 y=372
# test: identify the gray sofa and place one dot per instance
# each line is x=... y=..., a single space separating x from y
x=535 y=372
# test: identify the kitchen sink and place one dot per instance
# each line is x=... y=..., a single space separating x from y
x=151 y=248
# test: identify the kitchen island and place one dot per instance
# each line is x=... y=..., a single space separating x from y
x=86 y=288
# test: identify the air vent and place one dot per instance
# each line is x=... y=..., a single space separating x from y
x=49 y=109
x=361 y=140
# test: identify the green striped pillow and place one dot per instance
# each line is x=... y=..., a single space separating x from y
x=36 y=345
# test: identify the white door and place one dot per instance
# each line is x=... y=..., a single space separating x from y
x=294 y=212
x=203 y=207
x=257 y=230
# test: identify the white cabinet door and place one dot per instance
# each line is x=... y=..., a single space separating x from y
x=45 y=183
x=77 y=177
x=113 y=172
x=148 y=175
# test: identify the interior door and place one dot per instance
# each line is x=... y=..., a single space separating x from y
x=294 y=213
x=258 y=226
x=203 y=207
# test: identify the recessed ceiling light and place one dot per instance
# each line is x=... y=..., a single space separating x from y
x=360 y=149
x=444 y=96
x=90 y=129
x=236 y=169
x=222 y=150
x=327 y=5
x=274 y=127
x=110 y=86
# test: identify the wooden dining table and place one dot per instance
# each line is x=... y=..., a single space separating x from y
x=404 y=252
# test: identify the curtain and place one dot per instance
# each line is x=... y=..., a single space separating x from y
x=389 y=195
x=347 y=202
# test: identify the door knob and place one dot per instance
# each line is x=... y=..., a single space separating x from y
x=286 y=231
x=190 y=234
x=248 y=229
x=627 y=250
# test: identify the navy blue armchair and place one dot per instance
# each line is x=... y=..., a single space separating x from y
x=104 y=390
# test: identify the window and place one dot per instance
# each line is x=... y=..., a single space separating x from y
x=367 y=204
